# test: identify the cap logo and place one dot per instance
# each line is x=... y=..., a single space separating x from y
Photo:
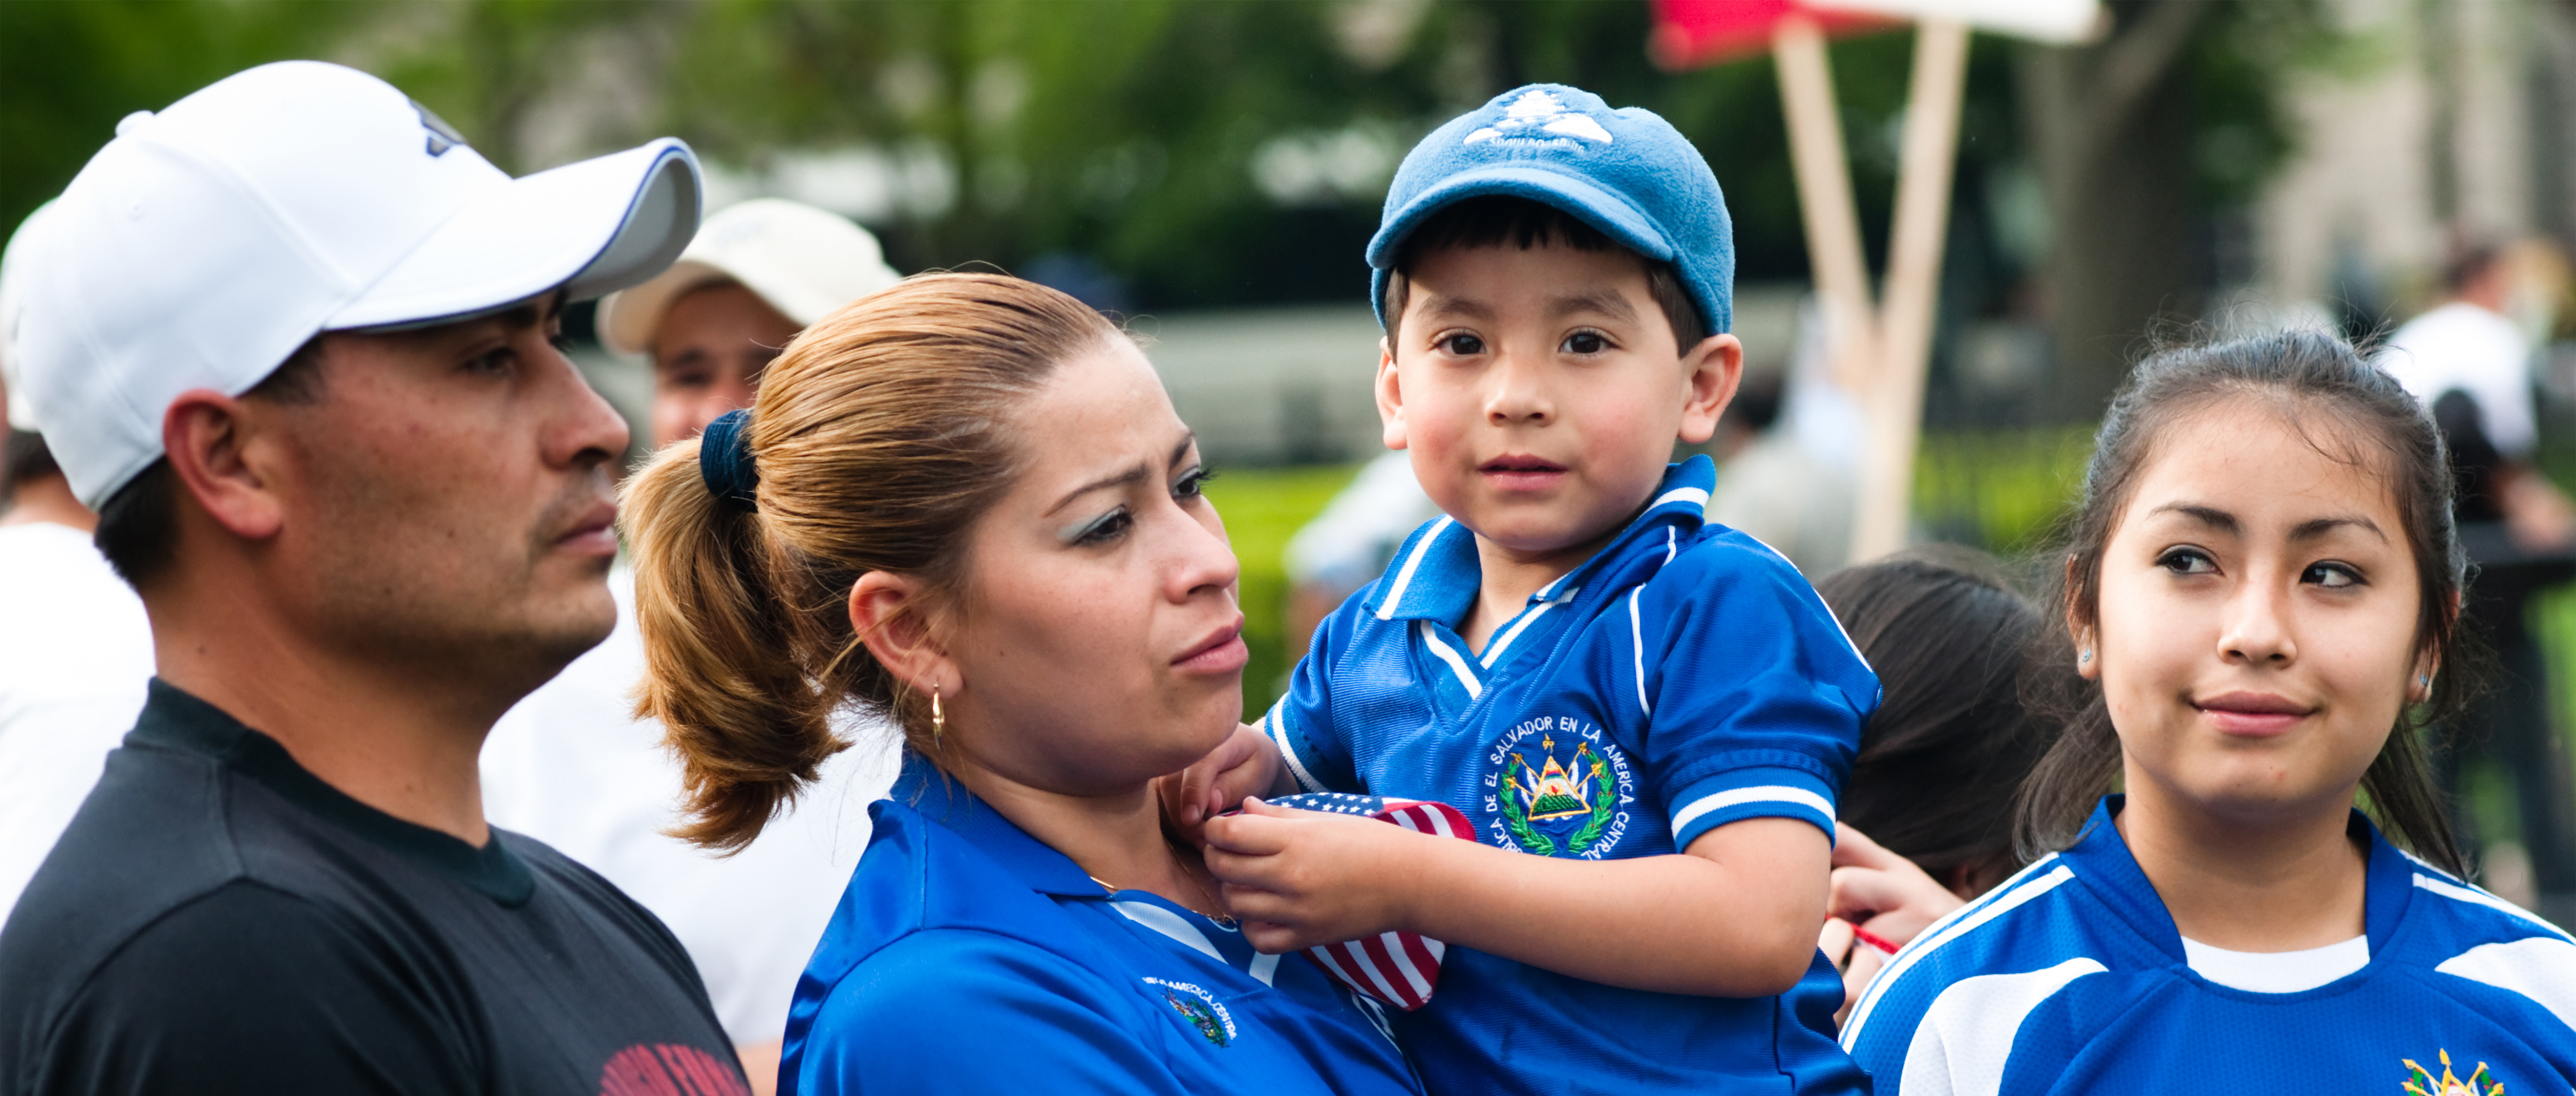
x=441 y=135
x=1535 y=116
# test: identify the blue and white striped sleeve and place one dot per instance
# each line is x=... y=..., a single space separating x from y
x=1301 y=724
x=1753 y=697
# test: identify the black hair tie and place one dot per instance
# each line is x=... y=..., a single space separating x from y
x=724 y=461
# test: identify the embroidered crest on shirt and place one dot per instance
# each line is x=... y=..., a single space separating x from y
x=1538 y=115
x=2421 y=1082
x=1200 y=1008
x=1557 y=787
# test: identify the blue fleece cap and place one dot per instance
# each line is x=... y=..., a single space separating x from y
x=1627 y=172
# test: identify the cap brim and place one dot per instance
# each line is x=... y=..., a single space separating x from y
x=589 y=228
x=627 y=317
x=1596 y=206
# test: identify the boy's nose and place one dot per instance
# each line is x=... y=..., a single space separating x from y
x=1519 y=397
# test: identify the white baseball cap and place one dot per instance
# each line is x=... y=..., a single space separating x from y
x=804 y=261
x=206 y=243
x=13 y=283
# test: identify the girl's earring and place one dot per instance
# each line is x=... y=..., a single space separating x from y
x=938 y=721
x=2085 y=655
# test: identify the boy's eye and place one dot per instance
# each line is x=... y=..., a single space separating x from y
x=2187 y=561
x=1462 y=345
x=1585 y=342
x=2332 y=576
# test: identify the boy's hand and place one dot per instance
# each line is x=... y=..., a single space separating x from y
x=1245 y=764
x=1302 y=878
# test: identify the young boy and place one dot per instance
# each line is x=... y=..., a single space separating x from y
x=1646 y=716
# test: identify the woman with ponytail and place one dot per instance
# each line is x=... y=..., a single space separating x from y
x=965 y=503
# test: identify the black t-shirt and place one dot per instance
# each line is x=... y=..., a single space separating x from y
x=219 y=920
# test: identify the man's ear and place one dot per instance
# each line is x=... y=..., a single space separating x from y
x=891 y=614
x=1710 y=374
x=216 y=447
x=1390 y=397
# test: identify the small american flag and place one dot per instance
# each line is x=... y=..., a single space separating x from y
x=1397 y=968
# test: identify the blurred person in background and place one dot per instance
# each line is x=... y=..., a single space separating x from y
x=1350 y=543
x=1773 y=486
x=572 y=765
x=1927 y=820
x=75 y=651
x=1786 y=455
x=297 y=344
x=2470 y=360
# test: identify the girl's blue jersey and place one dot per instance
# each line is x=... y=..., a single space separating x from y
x=1682 y=678
x=2071 y=978
x=968 y=957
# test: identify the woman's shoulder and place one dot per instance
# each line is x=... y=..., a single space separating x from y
x=2040 y=929
x=963 y=1009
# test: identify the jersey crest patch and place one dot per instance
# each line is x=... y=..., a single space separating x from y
x=1557 y=787
x=2421 y=1082
x=1200 y=1008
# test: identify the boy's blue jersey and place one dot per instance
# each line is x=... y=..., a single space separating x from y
x=1682 y=678
x=966 y=956
x=2072 y=978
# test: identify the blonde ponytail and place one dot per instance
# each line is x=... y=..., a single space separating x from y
x=879 y=436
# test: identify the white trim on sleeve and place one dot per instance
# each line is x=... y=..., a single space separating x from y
x=2474 y=896
x=1278 y=721
x=1768 y=793
x=1637 y=644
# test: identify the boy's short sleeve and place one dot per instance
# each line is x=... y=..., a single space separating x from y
x=1754 y=697
x=1301 y=724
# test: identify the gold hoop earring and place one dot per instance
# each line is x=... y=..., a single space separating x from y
x=938 y=721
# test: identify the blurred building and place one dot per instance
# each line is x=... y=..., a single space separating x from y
x=2447 y=121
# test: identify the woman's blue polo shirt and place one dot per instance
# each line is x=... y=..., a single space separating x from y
x=968 y=957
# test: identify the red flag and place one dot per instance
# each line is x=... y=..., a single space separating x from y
x=1692 y=33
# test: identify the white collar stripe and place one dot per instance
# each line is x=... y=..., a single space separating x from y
x=1692 y=495
x=1934 y=938
x=1395 y=594
x=1466 y=674
x=1169 y=924
x=1494 y=647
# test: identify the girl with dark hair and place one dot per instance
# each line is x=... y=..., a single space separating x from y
x=1948 y=635
x=964 y=504
x=2260 y=595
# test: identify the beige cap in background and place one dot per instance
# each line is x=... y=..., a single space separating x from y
x=805 y=262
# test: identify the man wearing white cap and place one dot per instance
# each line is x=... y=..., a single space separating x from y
x=573 y=766
x=74 y=647
x=293 y=343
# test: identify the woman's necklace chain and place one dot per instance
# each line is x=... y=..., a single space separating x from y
x=1223 y=919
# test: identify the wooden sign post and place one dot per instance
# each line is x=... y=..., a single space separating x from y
x=1880 y=353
